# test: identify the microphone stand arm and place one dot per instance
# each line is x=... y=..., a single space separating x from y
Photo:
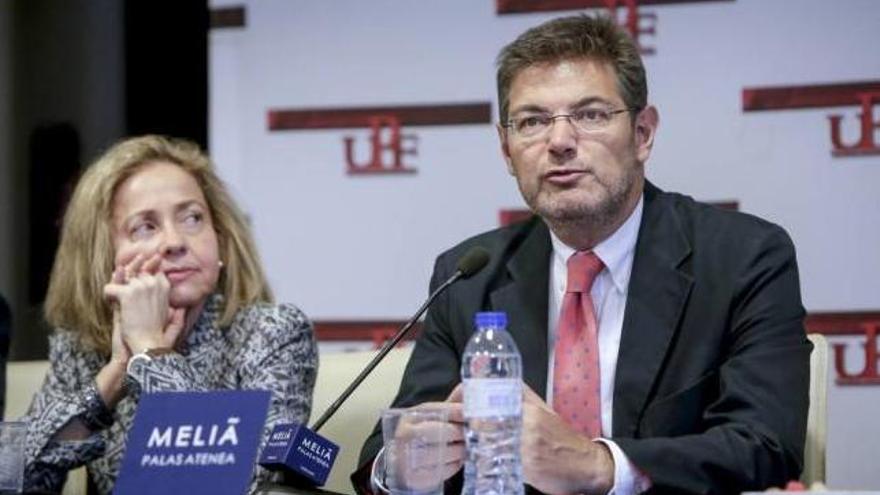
x=385 y=350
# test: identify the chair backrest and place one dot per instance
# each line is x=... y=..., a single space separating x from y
x=814 y=450
x=23 y=380
x=354 y=421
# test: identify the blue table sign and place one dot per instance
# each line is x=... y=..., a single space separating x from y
x=193 y=442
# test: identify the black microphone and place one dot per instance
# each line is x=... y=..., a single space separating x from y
x=309 y=456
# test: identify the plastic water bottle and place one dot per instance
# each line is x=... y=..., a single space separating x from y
x=491 y=372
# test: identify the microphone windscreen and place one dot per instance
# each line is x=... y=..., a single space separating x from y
x=473 y=261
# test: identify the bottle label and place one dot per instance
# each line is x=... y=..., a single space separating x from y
x=492 y=397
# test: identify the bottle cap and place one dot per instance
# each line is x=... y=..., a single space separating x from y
x=494 y=319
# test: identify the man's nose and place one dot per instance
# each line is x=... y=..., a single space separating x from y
x=562 y=139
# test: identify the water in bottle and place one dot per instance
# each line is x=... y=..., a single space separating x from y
x=491 y=373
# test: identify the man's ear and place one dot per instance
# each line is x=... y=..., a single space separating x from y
x=505 y=147
x=645 y=129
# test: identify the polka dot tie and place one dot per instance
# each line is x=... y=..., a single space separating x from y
x=576 y=395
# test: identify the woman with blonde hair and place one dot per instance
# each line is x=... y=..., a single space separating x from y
x=156 y=286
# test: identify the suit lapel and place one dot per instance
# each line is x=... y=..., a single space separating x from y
x=523 y=294
x=658 y=291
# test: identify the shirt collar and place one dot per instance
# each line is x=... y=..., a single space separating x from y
x=616 y=252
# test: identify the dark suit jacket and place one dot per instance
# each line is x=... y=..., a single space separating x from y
x=711 y=391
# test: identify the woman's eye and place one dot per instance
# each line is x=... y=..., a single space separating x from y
x=193 y=219
x=142 y=230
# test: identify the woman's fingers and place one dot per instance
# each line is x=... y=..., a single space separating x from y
x=151 y=265
x=118 y=276
x=142 y=298
x=133 y=267
x=113 y=291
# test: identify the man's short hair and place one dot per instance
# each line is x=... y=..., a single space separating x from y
x=571 y=38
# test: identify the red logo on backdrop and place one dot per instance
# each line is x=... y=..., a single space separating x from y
x=387 y=145
x=866 y=144
x=385 y=140
x=632 y=21
x=864 y=95
x=865 y=327
x=626 y=12
x=868 y=375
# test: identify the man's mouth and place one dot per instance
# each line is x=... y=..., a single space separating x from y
x=564 y=176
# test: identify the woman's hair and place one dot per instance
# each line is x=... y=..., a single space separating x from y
x=85 y=258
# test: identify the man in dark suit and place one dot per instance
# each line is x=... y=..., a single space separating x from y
x=696 y=312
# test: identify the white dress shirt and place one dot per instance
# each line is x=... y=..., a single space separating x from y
x=609 y=293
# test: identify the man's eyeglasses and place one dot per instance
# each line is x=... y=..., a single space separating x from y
x=586 y=120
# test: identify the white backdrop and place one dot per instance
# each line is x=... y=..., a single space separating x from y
x=362 y=247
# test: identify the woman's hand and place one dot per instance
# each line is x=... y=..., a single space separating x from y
x=119 y=351
x=145 y=320
x=111 y=378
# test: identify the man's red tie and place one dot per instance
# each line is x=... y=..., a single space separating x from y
x=576 y=395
